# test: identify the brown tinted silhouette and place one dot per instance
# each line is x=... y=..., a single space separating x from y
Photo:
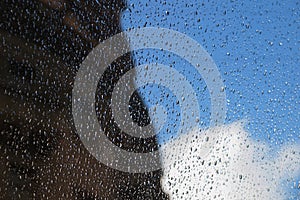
x=42 y=45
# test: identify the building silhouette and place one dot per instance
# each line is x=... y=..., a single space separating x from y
x=42 y=45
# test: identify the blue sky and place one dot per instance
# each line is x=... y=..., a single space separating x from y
x=255 y=45
x=256 y=48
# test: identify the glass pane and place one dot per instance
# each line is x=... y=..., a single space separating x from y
x=136 y=99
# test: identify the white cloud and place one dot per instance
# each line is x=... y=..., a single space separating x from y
x=224 y=163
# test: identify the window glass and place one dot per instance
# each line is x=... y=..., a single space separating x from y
x=136 y=99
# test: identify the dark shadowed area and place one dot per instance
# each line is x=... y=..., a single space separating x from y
x=42 y=46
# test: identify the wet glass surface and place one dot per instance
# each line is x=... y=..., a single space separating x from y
x=212 y=105
x=42 y=46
